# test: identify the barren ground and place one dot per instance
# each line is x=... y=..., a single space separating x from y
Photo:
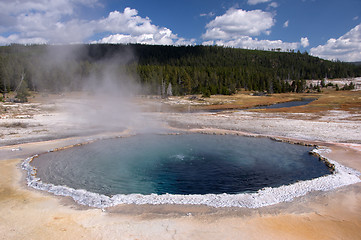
x=333 y=120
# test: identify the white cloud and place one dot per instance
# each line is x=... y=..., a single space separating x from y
x=237 y=28
x=126 y=22
x=355 y=18
x=163 y=37
x=131 y=28
x=254 y=2
x=345 y=48
x=185 y=42
x=250 y=43
x=208 y=43
x=237 y=22
x=122 y=38
x=34 y=21
x=210 y=14
x=14 y=38
x=273 y=4
x=285 y=25
x=50 y=7
x=42 y=21
x=304 y=42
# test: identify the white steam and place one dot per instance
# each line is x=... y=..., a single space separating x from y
x=107 y=97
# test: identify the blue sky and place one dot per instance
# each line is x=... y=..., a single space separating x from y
x=329 y=29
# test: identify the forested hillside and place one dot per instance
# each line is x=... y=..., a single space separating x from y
x=164 y=69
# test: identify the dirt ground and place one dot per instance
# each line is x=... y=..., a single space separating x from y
x=36 y=127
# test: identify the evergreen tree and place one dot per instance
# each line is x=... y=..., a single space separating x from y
x=183 y=69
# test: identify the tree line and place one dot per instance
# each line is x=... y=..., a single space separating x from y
x=176 y=70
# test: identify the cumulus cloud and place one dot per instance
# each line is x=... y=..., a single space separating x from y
x=127 y=21
x=238 y=28
x=163 y=37
x=345 y=48
x=237 y=22
x=131 y=28
x=254 y=2
x=253 y=43
x=42 y=21
x=123 y=38
x=304 y=42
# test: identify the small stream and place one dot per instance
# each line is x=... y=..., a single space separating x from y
x=302 y=102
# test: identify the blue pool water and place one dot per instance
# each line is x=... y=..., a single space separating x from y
x=302 y=102
x=179 y=164
x=287 y=104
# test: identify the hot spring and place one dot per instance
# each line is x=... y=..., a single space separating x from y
x=179 y=164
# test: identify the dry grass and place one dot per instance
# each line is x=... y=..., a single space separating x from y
x=327 y=100
x=237 y=101
x=246 y=100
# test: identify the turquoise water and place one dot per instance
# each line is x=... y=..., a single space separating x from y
x=179 y=164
